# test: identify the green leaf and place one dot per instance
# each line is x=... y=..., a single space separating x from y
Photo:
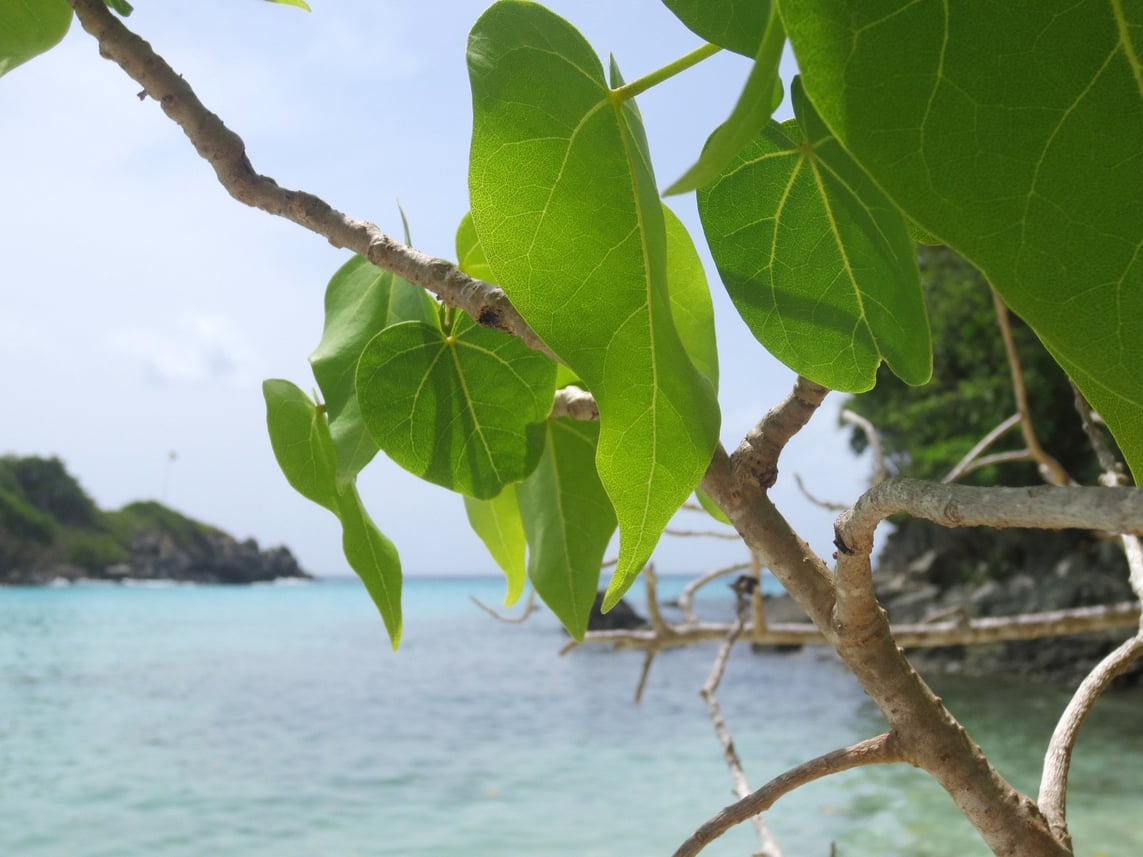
x=712 y=508
x=30 y=27
x=464 y=409
x=374 y=558
x=300 y=437
x=498 y=524
x=566 y=209
x=758 y=101
x=736 y=25
x=1011 y=131
x=360 y=300
x=121 y=6
x=469 y=252
x=817 y=261
x=299 y=434
x=301 y=4
x=569 y=522
x=691 y=306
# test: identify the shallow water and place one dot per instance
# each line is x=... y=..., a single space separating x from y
x=275 y=720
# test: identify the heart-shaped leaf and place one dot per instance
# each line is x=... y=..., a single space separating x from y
x=1012 y=133
x=569 y=522
x=566 y=209
x=464 y=409
x=360 y=300
x=817 y=261
x=300 y=437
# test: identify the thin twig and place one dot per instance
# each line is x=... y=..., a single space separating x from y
x=769 y=847
x=1009 y=457
x=1052 y=471
x=654 y=613
x=963 y=466
x=702 y=534
x=529 y=609
x=828 y=505
x=872 y=751
x=757 y=603
x=1111 y=465
x=873 y=439
x=687 y=596
x=648 y=660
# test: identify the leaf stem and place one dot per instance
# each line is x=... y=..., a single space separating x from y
x=642 y=84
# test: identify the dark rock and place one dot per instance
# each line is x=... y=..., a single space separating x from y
x=926 y=572
x=51 y=530
x=621 y=617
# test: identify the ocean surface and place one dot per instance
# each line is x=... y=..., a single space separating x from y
x=178 y=721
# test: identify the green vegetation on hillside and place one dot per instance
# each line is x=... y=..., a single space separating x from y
x=47 y=518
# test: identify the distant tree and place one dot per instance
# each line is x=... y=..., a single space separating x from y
x=926 y=430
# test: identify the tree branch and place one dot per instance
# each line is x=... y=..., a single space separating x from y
x=686 y=597
x=769 y=847
x=1057 y=760
x=757 y=455
x=226 y=153
x=971 y=458
x=576 y=403
x=1115 y=510
x=1052 y=471
x=917 y=635
x=873 y=751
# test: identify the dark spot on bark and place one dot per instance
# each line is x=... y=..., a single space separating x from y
x=490 y=317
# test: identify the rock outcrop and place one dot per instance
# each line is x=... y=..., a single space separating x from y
x=51 y=530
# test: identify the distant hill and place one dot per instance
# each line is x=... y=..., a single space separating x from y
x=50 y=529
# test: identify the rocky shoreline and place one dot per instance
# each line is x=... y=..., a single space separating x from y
x=51 y=530
x=925 y=574
x=215 y=558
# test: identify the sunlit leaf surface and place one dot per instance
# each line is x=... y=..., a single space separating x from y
x=1012 y=132
x=299 y=435
x=30 y=27
x=464 y=409
x=567 y=211
x=817 y=261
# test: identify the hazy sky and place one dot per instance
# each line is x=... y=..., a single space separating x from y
x=141 y=307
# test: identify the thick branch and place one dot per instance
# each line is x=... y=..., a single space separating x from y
x=226 y=153
x=873 y=751
x=1115 y=510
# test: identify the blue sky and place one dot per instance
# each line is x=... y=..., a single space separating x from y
x=142 y=306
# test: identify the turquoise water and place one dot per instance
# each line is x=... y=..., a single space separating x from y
x=275 y=720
